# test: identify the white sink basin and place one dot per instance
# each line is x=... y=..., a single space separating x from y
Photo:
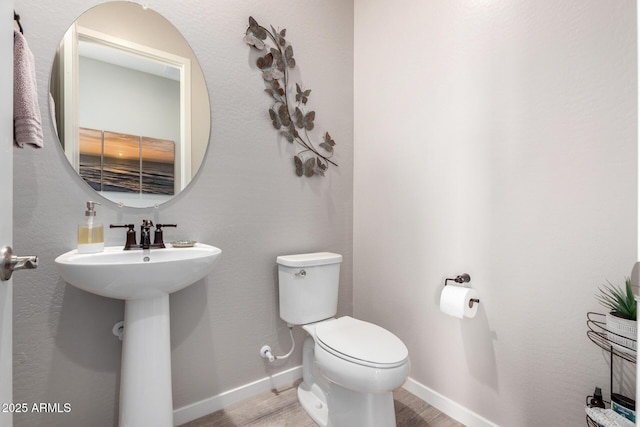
x=137 y=274
x=144 y=279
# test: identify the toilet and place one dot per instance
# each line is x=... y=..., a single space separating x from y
x=349 y=367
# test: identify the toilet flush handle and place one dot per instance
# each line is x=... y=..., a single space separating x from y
x=301 y=273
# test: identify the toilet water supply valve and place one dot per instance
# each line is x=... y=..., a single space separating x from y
x=118 y=329
x=266 y=353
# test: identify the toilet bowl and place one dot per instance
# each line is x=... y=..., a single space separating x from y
x=361 y=356
x=350 y=367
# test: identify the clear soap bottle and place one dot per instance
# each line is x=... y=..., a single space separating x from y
x=91 y=233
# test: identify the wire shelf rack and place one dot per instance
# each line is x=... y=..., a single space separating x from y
x=598 y=334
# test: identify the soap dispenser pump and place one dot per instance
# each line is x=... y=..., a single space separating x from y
x=91 y=233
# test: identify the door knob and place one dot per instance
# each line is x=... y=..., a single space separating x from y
x=9 y=262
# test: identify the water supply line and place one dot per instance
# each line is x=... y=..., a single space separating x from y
x=265 y=351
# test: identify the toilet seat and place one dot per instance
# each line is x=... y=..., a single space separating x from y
x=361 y=342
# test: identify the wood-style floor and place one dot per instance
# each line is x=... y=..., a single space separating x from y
x=280 y=408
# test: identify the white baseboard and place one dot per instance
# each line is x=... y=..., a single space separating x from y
x=223 y=400
x=447 y=406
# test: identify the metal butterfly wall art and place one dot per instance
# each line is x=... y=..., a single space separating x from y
x=292 y=120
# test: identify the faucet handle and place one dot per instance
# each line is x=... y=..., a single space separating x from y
x=131 y=235
x=158 y=239
x=166 y=225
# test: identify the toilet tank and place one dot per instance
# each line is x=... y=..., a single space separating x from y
x=308 y=286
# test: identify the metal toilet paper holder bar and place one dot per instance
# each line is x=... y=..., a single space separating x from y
x=463 y=278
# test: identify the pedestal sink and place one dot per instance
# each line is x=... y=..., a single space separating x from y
x=144 y=279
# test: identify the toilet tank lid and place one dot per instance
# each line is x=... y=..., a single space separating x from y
x=309 y=260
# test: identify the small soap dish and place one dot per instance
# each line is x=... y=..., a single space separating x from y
x=183 y=243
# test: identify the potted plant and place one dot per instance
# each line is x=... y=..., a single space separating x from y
x=621 y=319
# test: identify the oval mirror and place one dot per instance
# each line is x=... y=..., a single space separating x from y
x=129 y=104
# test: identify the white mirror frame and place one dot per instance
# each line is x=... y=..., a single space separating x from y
x=71 y=56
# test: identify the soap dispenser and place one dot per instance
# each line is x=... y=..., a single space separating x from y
x=90 y=234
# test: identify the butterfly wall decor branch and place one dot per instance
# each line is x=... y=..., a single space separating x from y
x=292 y=120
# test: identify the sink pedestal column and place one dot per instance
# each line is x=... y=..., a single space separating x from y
x=145 y=380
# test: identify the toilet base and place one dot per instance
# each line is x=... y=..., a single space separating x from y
x=313 y=401
x=348 y=408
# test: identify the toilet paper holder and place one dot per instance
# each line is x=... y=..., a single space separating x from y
x=463 y=278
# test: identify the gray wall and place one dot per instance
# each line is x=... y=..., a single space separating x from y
x=246 y=200
x=501 y=143
x=506 y=150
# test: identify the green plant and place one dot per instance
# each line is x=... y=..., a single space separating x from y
x=619 y=301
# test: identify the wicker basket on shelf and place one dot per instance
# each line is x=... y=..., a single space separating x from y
x=622 y=333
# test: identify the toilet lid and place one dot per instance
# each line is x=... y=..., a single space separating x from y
x=361 y=342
